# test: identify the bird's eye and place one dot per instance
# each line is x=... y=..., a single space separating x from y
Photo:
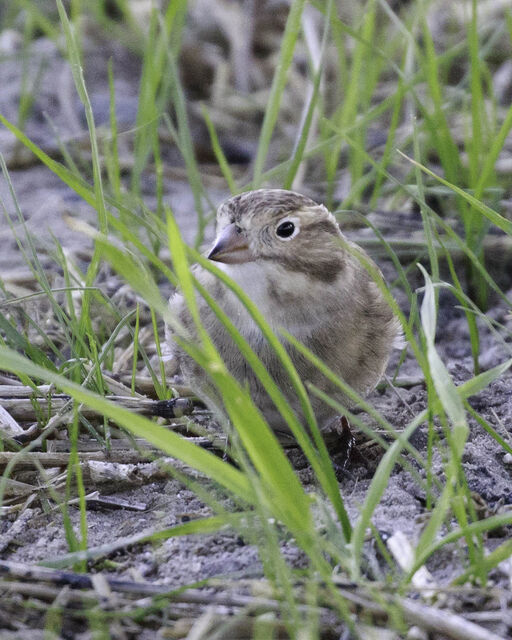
x=286 y=229
x=238 y=229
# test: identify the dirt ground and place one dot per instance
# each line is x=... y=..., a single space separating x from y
x=44 y=202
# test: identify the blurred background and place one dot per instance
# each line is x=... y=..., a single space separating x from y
x=315 y=96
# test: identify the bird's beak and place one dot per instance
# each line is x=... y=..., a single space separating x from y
x=231 y=247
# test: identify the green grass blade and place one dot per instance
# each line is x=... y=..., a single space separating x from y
x=256 y=436
x=300 y=145
x=167 y=441
x=290 y=36
x=494 y=217
x=487 y=427
x=206 y=525
x=78 y=77
x=443 y=383
x=219 y=153
x=79 y=186
x=320 y=461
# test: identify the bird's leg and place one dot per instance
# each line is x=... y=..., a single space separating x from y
x=342 y=446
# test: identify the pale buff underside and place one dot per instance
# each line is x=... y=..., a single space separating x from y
x=346 y=324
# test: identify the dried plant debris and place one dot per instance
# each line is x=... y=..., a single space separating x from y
x=135 y=573
x=212 y=604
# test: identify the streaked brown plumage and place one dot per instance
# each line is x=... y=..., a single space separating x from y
x=288 y=254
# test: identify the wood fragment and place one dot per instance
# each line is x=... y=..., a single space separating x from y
x=443 y=622
x=146 y=386
x=11 y=382
x=120 y=445
x=404 y=382
x=501 y=615
x=9 y=428
x=33 y=573
x=426 y=617
x=117 y=474
x=28 y=435
x=403 y=553
x=17 y=488
x=117 y=388
x=30 y=460
x=19 y=276
x=184 y=613
x=114 y=502
x=101 y=587
x=27 y=460
x=7 y=509
x=45 y=592
x=89 y=444
x=370 y=632
x=22 y=408
x=22 y=391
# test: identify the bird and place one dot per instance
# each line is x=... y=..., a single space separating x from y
x=289 y=256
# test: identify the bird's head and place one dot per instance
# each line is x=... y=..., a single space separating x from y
x=281 y=226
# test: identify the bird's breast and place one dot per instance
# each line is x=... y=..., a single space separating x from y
x=290 y=301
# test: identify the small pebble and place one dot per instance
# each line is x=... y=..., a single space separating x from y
x=416 y=633
x=10 y=41
x=507 y=458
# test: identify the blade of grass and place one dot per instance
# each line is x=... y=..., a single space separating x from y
x=325 y=471
x=219 y=153
x=356 y=97
x=210 y=524
x=463 y=246
x=259 y=441
x=481 y=526
x=381 y=477
x=288 y=43
x=167 y=441
x=305 y=128
x=493 y=216
x=78 y=77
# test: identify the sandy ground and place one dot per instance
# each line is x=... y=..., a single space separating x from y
x=43 y=200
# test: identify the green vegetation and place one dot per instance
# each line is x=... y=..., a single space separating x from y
x=376 y=69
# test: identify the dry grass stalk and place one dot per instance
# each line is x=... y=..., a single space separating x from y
x=426 y=617
x=22 y=408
